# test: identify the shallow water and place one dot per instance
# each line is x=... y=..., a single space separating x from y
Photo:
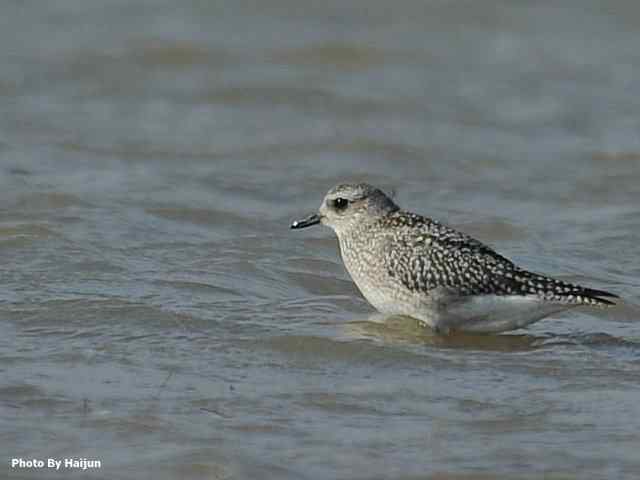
x=157 y=314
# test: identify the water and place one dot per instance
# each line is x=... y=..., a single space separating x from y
x=158 y=314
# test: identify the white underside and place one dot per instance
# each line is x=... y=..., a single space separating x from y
x=482 y=314
x=495 y=313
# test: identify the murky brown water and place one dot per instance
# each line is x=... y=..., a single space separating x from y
x=156 y=312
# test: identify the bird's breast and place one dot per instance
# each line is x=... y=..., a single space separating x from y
x=364 y=260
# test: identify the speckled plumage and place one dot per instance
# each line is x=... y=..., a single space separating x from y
x=408 y=264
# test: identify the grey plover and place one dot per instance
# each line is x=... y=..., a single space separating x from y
x=407 y=264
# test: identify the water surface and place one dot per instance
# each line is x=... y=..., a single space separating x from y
x=157 y=313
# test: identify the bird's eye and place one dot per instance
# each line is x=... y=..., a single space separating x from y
x=340 y=203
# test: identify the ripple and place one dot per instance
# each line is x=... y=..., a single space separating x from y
x=339 y=55
x=49 y=200
x=309 y=350
x=23 y=233
x=198 y=216
x=199 y=287
x=597 y=339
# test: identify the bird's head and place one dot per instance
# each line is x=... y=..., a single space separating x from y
x=347 y=205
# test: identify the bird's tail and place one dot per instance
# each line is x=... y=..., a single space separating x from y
x=591 y=296
x=563 y=292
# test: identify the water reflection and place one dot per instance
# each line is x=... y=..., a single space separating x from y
x=406 y=330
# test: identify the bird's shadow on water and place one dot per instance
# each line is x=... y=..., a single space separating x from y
x=408 y=331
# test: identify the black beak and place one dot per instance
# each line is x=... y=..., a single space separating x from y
x=306 y=222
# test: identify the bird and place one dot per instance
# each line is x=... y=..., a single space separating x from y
x=411 y=265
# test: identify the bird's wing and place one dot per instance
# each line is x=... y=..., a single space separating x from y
x=428 y=255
